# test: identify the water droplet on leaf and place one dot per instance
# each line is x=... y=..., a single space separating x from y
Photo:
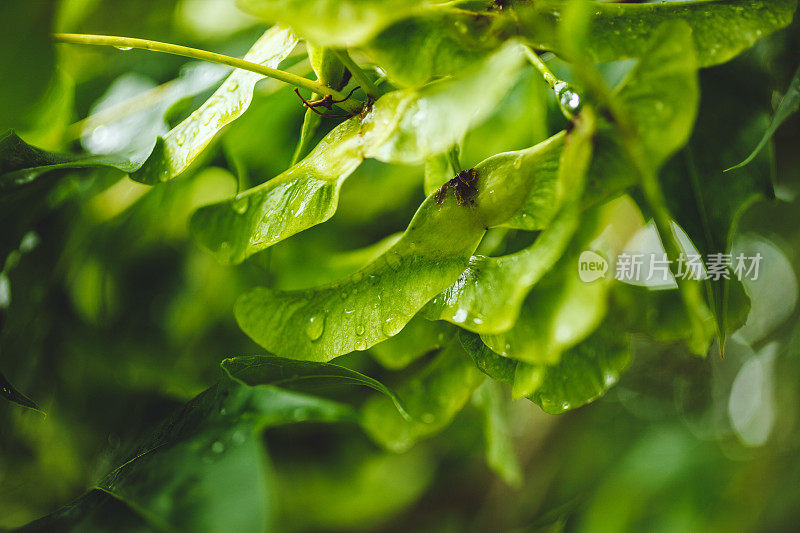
x=240 y=205
x=315 y=326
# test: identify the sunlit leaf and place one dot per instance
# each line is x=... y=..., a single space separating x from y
x=373 y=303
x=177 y=149
x=403 y=127
x=433 y=396
x=561 y=309
x=377 y=301
x=128 y=118
x=488 y=295
x=584 y=373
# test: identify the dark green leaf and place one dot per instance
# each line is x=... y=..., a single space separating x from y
x=299 y=375
x=11 y=394
x=788 y=105
x=26 y=59
x=706 y=201
x=205 y=467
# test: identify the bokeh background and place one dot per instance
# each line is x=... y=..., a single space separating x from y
x=111 y=317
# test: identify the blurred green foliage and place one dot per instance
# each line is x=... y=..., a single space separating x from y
x=114 y=318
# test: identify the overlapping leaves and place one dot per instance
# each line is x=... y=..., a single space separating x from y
x=403 y=127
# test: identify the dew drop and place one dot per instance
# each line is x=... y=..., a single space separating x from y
x=300 y=414
x=391 y=326
x=565 y=405
x=180 y=139
x=428 y=418
x=123 y=48
x=240 y=205
x=238 y=437
x=315 y=326
x=217 y=447
x=570 y=102
x=360 y=329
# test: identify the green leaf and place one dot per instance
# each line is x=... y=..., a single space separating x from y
x=661 y=94
x=789 y=104
x=336 y=23
x=403 y=127
x=27 y=59
x=584 y=373
x=433 y=396
x=205 y=468
x=500 y=453
x=721 y=29
x=177 y=149
x=299 y=375
x=11 y=394
x=21 y=163
x=348 y=488
x=488 y=295
x=660 y=100
x=174 y=152
x=440 y=42
x=418 y=337
x=25 y=185
x=374 y=303
x=708 y=202
x=561 y=309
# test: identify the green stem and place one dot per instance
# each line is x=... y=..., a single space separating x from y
x=366 y=84
x=537 y=62
x=126 y=43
